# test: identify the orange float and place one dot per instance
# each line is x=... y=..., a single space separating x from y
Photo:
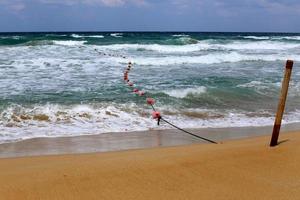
x=150 y=101
x=156 y=115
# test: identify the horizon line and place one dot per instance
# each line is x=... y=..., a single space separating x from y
x=139 y=31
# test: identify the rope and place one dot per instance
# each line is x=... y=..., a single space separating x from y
x=181 y=129
x=192 y=134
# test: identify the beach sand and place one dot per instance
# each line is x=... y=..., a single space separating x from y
x=235 y=169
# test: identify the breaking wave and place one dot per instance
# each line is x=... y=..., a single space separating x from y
x=209 y=59
x=87 y=36
x=19 y=123
x=117 y=35
x=69 y=42
x=203 y=46
x=257 y=37
x=182 y=93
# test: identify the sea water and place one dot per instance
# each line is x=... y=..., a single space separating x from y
x=67 y=84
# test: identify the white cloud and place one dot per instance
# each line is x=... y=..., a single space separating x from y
x=13 y=5
x=281 y=6
x=109 y=3
x=17 y=7
x=113 y=3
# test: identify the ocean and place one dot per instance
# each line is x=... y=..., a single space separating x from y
x=68 y=84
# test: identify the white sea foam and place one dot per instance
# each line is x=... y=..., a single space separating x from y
x=204 y=46
x=57 y=35
x=181 y=93
x=261 y=45
x=63 y=55
x=262 y=87
x=209 y=59
x=56 y=120
x=15 y=37
x=180 y=35
x=87 y=36
x=76 y=36
x=95 y=36
x=69 y=42
x=157 y=47
x=257 y=37
x=117 y=35
x=286 y=37
x=255 y=84
x=18 y=123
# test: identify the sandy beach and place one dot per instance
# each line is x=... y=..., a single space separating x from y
x=235 y=169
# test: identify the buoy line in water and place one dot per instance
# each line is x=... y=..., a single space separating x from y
x=150 y=101
x=110 y=54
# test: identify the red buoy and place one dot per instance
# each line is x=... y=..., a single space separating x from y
x=150 y=101
x=135 y=91
x=141 y=93
x=125 y=77
x=156 y=115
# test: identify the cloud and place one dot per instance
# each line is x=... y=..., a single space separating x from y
x=14 y=6
x=108 y=3
x=113 y=3
x=280 y=6
x=17 y=7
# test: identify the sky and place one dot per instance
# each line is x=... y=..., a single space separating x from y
x=150 y=15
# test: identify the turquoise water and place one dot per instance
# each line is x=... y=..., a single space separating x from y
x=65 y=84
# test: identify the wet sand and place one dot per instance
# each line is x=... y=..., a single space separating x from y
x=235 y=169
x=124 y=141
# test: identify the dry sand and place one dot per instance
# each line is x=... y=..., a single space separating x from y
x=237 y=169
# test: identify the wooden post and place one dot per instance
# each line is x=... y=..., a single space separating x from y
x=281 y=105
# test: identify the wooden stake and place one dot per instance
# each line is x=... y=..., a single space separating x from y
x=282 y=100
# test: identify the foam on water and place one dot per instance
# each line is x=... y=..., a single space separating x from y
x=210 y=59
x=261 y=45
x=287 y=38
x=156 y=47
x=69 y=42
x=95 y=36
x=87 y=36
x=204 y=46
x=180 y=35
x=56 y=53
x=117 y=35
x=19 y=123
x=257 y=37
x=181 y=93
x=15 y=37
x=255 y=84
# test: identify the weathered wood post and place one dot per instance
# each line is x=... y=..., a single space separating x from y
x=281 y=105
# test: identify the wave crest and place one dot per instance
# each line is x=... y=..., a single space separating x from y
x=68 y=42
x=182 y=93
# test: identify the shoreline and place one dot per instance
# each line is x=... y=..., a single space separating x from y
x=107 y=142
